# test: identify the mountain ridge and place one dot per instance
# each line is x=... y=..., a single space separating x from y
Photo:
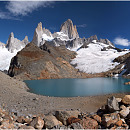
x=92 y=55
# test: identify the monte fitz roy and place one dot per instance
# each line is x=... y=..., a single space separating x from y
x=62 y=54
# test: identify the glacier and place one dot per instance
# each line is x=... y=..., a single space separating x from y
x=94 y=60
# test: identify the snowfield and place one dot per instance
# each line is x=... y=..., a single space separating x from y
x=93 y=60
x=5 y=58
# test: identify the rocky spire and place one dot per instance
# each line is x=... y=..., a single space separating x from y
x=25 y=41
x=13 y=44
x=38 y=34
x=38 y=38
x=69 y=29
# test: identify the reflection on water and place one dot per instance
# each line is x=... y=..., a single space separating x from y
x=78 y=87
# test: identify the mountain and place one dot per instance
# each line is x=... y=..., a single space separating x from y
x=69 y=29
x=41 y=35
x=46 y=62
x=13 y=44
x=62 y=54
x=9 y=50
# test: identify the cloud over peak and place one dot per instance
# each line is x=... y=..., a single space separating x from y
x=121 y=41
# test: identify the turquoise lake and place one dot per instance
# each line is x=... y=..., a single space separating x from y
x=78 y=87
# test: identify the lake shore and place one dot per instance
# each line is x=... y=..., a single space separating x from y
x=14 y=96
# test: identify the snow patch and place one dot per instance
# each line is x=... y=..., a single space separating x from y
x=47 y=38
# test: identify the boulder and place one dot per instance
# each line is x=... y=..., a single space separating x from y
x=119 y=123
x=51 y=121
x=64 y=115
x=75 y=126
x=110 y=119
x=72 y=119
x=97 y=118
x=89 y=123
x=112 y=104
x=37 y=123
x=124 y=112
x=26 y=127
x=126 y=99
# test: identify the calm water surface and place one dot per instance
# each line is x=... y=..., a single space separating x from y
x=78 y=87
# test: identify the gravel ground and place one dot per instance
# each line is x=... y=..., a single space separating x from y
x=14 y=96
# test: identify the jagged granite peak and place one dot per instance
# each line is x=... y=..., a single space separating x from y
x=69 y=29
x=47 y=32
x=13 y=44
x=39 y=26
x=25 y=40
x=37 y=38
x=41 y=35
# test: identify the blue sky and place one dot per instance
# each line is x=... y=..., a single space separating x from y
x=105 y=19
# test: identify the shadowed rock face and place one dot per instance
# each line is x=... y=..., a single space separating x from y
x=46 y=62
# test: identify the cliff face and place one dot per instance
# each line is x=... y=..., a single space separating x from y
x=123 y=68
x=46 y=62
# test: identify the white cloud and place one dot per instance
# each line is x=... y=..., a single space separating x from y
x=7 y=15
x=121 y=41
x=25 y=7
x=82 y=26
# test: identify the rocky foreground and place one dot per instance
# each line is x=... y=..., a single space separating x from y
x=114 y=115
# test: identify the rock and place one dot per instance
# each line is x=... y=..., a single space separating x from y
x=89 y=123
x=26 y=127
x=51 y=121
x=6 y=125
x=112 y=104
x=118 y=99
x=37 y=123
x=119 y=123
x=97 y=118
x=127 y=83
x=122 y=107
x=75 y=126
x=72 y=119
x=126 y=99
x=110 y=119
x=64 y=115
x=20 y=119
x=69 y=29
x=124 y=112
